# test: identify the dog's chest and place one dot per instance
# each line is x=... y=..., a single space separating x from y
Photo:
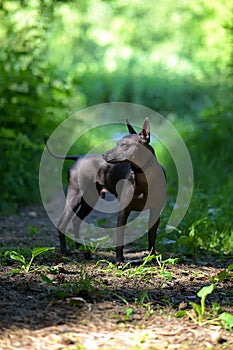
x=140 y=195
x=149 y=189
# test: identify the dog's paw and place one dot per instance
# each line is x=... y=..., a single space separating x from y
x=120 y=264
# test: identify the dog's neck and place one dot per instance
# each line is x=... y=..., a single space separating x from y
x=137 y=170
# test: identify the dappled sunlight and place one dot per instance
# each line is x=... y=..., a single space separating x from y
x=58 y=59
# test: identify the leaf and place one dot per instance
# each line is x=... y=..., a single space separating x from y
x=196 y=308
x=99 y=241
x=15 y=271
x=223 y=275
x=166 y=274
x=40 y=250
x=172 y=261
x=227 y=319
x=230 y=267
x=129 y=312
x=205 y=291
x=147 y=259
x=180 y=314
x=46 y=279
x=216 y=308
x=15 y=256
x=76 y=301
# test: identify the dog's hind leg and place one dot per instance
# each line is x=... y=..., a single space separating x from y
x=84 y=210
x=88 y=202
x=73 y=201
x=153 y=226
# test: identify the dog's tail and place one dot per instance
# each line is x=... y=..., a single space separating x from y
x=58 y=156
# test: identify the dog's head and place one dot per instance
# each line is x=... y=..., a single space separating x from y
x=133 y=148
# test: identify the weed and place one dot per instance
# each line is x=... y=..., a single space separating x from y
x=223 y=275
x=162 y=264
x=128 y=313
x=26 y=265
x=85 y=283
x=33 y=230
x=147 y=305
x=110 y=267
x=227 y=320
x=200 y=309
x=142 y=269
x=127 y=269
x=201 y=318
x=143 y=297
x=94 y=244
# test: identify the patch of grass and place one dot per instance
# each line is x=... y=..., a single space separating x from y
x=145 y=268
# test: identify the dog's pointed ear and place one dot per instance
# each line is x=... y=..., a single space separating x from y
x=130 y=128
x=145 y=132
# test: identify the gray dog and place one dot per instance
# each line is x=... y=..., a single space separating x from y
x=144 y=187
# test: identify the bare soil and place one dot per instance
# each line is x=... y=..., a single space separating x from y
x=73 y=303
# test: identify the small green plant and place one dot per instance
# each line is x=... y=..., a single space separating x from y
x=144 y=301
x=26 y=265
x=110 y=266
x=128 y=314
x=33 y=230
x=94 y=244
x=201 y=318
x=143 y=268
x=223 y=275
x=162 y=264
x=227 y=320
x=85 y=282
x=200 y=309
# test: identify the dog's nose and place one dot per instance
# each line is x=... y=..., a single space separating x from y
x=105 y=156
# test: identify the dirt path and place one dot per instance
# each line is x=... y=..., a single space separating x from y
x=70 y=303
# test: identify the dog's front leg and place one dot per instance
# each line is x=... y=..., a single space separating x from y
x=121 y=222
x=154 y=221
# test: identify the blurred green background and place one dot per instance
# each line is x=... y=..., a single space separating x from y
x=174 y=56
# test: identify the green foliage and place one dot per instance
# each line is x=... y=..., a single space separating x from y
x=85 y=282
x=128 y=313
x=26 y=265
x=227 y=320
x=144 y=270
x=223 y=275
x=201 y=317
x=33 y=98
x=60 y=56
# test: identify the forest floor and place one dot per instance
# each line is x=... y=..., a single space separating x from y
x=72 y=303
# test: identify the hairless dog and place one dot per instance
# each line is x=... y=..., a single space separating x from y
x=91 y=176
